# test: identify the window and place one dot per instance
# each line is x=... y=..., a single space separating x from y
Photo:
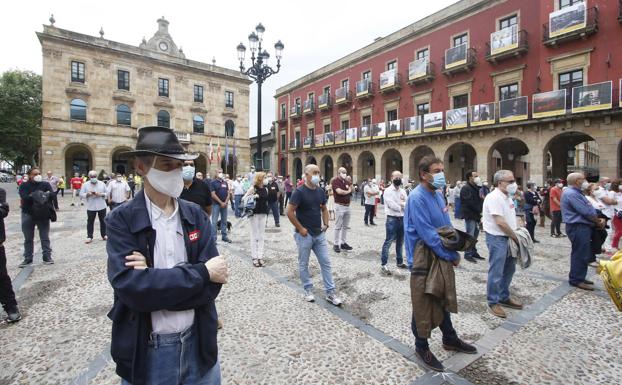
x=198 y=93
x=283 y=111
x=327 y=90
x=163 y=87
x=391 y=65
x=164 y=119
x=509 y=91
x=198 y=124
x=229 y=128
x=77 y=72
x=568 y=3
x=297 y=138
x=311 y=133
x=366 y=120
x=77 y=110
x=423 y=108
x=345 y=124
x=283 y=142
x=508 y=22
x=310 y=97
x=423 y=54
x=298 y=102
x=461 y=101
x=366 y=75
x=569 y=80
x=391 y=115
x=461 y=39
x=123 y=80
x=124 y=115
x=229 y=99
x=345 y=84
x=327 y=128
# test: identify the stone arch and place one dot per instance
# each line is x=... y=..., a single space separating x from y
x=366 y=165
x=391 y=160
x=571 y=151
x=345 y=160
x=311 y=160
x=327 y=168
x=201 y=164
x=415 y=157
x=459 y=158
x=297 y=169
x=121 y=165
x=78 y=157
x=509 y=154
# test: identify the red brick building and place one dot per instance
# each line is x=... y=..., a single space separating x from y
x=471 y=65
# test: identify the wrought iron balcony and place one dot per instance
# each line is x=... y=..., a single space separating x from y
x=294 y=144
x=418 y=75
x=323 y=102
x=460 y=63
x=308 y=107
x=282 y=117
x=516 y=47
x=570 y=27
x=390 y=81
x=342 y=96
x=364 y=89
x=183 y=137
x=294 y=112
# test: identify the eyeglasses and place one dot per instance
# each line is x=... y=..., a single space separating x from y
x=509 y=181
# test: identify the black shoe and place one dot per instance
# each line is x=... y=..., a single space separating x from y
x=470 y=259
x=554 y=236
x=536 y=241
x=278 y=225
x=13 y=315
x=48 y=261
x=227 y=240
x=373 y=224
x=336 y=249
x=588 y=282
x=345 y=246
x=477 y=256
x=429 y=360
x=25 y=263
x=459 y=346
x=402 y=266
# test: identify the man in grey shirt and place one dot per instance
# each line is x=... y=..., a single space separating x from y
x=94 y=193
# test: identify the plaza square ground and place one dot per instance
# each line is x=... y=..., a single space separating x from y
x=271 y=336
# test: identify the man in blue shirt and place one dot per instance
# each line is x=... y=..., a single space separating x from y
x=580 y=218
x=425 y=213
x=220 y=197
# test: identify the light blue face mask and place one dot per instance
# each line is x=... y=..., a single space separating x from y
x=439 y=180
x=188 y=173
x=315 y=179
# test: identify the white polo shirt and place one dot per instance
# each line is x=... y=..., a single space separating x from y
x=498 y=203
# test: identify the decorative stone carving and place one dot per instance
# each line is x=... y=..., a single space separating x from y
x=53 y=53
x=164 y=104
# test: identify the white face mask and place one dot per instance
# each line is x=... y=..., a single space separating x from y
x=477 y=180
x=168 y=183
x=512 y=188
x=585 y=185
x=343 y=175
x=268 y=180
x=37 y=178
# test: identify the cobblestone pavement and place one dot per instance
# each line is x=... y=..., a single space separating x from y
x=271 y=336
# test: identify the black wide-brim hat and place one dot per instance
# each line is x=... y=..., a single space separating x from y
x=160 y=141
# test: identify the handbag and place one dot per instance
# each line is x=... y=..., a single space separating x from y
x=611 y=274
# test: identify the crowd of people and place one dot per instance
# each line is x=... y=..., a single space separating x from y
x=161 y=228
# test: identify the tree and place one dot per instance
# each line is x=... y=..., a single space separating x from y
x=20 y=117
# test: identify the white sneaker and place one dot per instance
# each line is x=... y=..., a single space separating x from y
x=332 y=298
x=308 y=296
x=385 y=270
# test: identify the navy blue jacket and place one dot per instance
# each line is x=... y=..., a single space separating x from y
x=137 y=293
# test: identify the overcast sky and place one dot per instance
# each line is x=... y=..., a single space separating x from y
x=315 y=33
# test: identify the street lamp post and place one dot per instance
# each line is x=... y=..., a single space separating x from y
x=259 y=71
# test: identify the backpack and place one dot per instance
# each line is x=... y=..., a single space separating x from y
x=41 y=209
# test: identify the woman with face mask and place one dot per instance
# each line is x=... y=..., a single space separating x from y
x=258 y=191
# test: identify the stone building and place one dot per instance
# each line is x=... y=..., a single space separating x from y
x=98 y=92
x=268 y=148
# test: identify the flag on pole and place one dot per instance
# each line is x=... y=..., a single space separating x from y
x=234 y=156
x=226 y=152
x=211 y=151
x=218 y=151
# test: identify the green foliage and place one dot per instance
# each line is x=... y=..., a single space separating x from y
x=20 y=117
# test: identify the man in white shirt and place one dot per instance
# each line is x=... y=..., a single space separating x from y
x=370 y=192
x=117 y=192
x=499 y=219
x=394 y=202
x=238 y=193
x=94 y=192
x=607 y=198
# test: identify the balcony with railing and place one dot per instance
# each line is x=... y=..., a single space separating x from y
x=420 y=72
x=364 y=89
x=390 y=81
x=342 y=96
x=295 y=111
x=570 y=23
x=323 y=102
x=183 y=137
x=308 y=107
x=294 y=144
x=282 y=116
x=459 y=59
x=506 y=44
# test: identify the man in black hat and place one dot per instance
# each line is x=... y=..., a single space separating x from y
x=166 y=274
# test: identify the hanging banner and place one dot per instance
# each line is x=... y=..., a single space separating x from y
x=387 y=79
x=433 y=122
x=567 y=19
x=365 y=133
x=362 y=87
x=456 y=118
x=413 y=125
x=512 y=110
x=547 y=104
x=340 y=136
x=456 y=56
x=482 y=114
x=307 y=142
x=379 y=130
x=504 y=40
x=319 y=140
x=418 y=69
x=395 y=129
x=352 y=135
x=329 y=139
x=592 y=97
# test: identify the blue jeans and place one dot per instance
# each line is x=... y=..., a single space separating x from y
x=222 y=212
x=501 y=269
x=580 y=236
x=457 y=208
x=447 y=328
x=395 y=232
x=320 y=247
x=274 y=207
x=237 y=203
x=28 y=229
x=472 y=228
x=172 y=359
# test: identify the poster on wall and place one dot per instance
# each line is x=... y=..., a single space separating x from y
x=329 y=139
x=567 y=19
x=547 y=104
x=351 y=135
x=413 y=125
x=379 y=130
x=319 y=140
x=512 y=110
x=307 y=142
x=395 y=129
x=387 y=79
x=482 y=114
x=592 y=97
x=365 y=133
x=504 y=40
x=433 y=122
x=456 y=118
x=456 y=56
x=340 y=136
x=418 y=69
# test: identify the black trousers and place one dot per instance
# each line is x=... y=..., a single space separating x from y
x=369 y=214
x=55 y=199
x=91 y=222
x=281 y=201
x=556 y=222
x=531 y=224
x=7 y=295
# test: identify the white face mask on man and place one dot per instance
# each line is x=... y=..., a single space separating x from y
x=169 y=183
